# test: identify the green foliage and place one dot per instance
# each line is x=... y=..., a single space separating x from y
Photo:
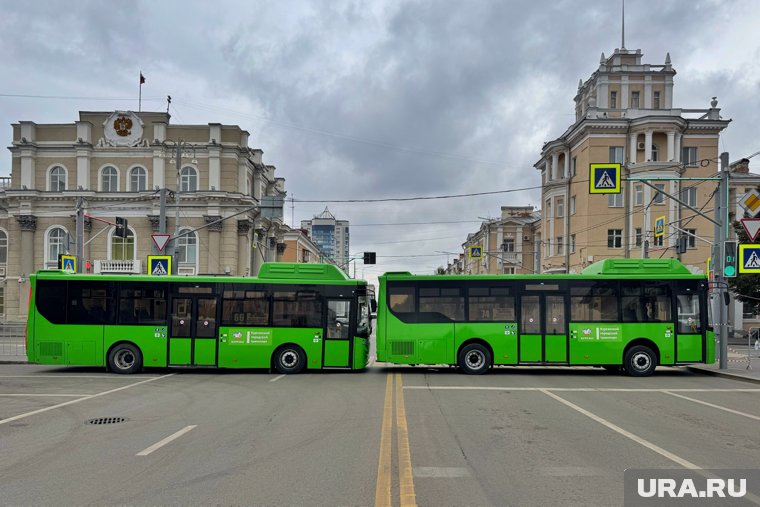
x=746 y=287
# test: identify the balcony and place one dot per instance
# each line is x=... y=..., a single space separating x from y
x=510 y=257
x=118 y=266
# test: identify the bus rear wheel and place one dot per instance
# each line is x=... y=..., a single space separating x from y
x=640 y=361
x=474 y=359
x=125 y=358
x=289 y=359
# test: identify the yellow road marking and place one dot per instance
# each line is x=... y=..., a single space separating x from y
x=383 y=488
x=405 y=476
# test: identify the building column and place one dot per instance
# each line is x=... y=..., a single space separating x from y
x=214 y=243
x=244 y=248
x=671 y=145
x=555 y=163
x=259 y=250
x=567 y=163
x=679 y=137
x=28 y=226
x=215 y=169
x=632 y=148
x=647 y=146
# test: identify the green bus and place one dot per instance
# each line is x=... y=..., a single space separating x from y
x=632 y=314
x=293 y=316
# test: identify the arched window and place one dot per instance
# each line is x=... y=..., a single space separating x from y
x=57 y=179
x=3 y=247
x=188 y=180
x=109 y=179
x=187 y=247
x=56 y=244
x=138 y=179
x=123 y=249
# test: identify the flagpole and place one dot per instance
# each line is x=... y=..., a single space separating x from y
x=139 y=100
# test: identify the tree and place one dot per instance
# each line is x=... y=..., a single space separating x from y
x=745 y=287
x=440 y=270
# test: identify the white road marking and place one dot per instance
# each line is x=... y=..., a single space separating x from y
x=646 y=443
x=43 y=395
x=719 y=407
x=441 y=472
x=88 y=397
x=165 y=441
x=580 y=389
x=277 y=378
x=63 y=375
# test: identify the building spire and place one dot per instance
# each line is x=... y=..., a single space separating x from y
x=622 y=40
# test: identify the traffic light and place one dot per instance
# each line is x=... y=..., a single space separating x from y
x=369 y=258
x=729 y=259
x=121 y=227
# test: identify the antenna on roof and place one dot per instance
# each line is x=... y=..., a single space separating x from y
x=622 y=41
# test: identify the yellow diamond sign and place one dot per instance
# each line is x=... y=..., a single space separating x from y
x=751 y=202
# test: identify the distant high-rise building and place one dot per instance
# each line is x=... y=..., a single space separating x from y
x=331 y=235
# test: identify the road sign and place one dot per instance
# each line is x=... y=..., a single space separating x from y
x=161 y=240
x=751 y=227
x=476 y=252
x=604 y=178
x=159 y=265
x=67 y=262
x=749 y=259
x=659 y=227
x=709 y=268
x=751 y=202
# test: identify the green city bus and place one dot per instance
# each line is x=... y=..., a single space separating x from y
x=632 y=314
x=291 y=317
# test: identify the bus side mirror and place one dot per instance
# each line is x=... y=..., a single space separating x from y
x=373 y=305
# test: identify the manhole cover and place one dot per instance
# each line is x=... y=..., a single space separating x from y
x=106 y=420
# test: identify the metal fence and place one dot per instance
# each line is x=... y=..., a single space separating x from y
x=12 y=342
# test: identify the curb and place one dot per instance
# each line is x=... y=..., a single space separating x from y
x=724 y=374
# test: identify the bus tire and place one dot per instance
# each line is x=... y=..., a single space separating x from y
x=125 y=358
x=640 y=361
x=289 y=359
x=474 y=359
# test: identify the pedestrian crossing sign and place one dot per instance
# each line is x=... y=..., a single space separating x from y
x=476 y=252
x=659 y=227
x=67 y=262
x=749 y=259
x=159 y=265
x=604 y=178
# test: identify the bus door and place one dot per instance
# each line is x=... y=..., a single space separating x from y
x=193 y=330
x=338 y=333
x=543 y=329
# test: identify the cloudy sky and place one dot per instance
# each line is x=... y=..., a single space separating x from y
x=376 y=99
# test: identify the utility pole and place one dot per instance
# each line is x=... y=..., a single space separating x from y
x=80 y=233
x=178 y=159
x=721 y=235
x=161 y=214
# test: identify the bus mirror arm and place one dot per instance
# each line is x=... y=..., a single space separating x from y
x=373 y=305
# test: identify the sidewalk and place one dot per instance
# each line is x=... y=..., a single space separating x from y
x=13 y=359
x=737 y=370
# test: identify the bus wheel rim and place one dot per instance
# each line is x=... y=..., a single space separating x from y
x=289 y=358
x=475 y=359
x=124 y=359
x=641 y=361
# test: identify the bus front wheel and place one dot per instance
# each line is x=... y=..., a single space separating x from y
x=125 y=358
x=640 y=361
x=289 y=359
x=474 y=359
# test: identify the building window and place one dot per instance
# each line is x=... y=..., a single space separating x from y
x=109 y=179
x=188 y=180
x=560 y=207
x=634 y=100
x=508 y=245
x=689 y=196
x=655 y=153
x=57 y=179
x=2 y=300
x=123 y=249
x=3 y=247
x=691 y=235
x=572 y=205
x=614 y=238
x=615 y=200
x=138 y=179
x=638 y=236
x=658 y=241
x=616 y=154
x=510 y=270
x=560 y=245
x=657 y=100
x=187 y=247
x=572 y=243
x=613 y=100
x=548 y=207
x=689 y=156
x=573 y=166
x=56 y=240
x=638 y=193
x=659 y=197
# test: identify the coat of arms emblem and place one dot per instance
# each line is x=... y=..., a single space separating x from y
x=123 y=126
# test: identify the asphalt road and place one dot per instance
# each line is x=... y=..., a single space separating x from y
x=400 y=435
